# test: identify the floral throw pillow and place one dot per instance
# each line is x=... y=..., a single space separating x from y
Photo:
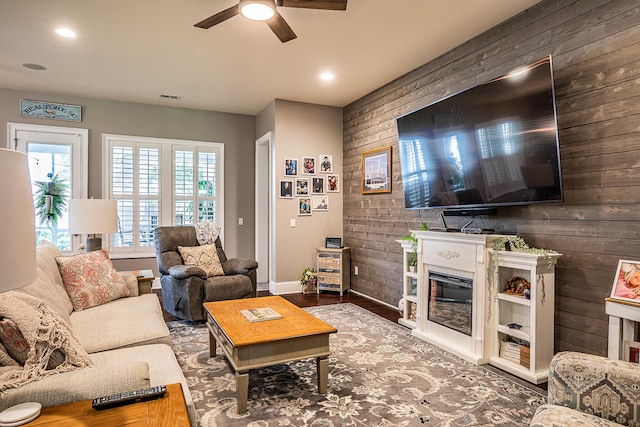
x=205 y=257
x=17 y=346
x=90 y=279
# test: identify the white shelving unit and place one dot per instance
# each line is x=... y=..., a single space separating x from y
x=533 y=315
x=409 y=288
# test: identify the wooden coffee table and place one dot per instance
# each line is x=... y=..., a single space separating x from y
x=249 y=345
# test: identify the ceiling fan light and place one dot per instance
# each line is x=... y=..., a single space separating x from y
x=257 y=10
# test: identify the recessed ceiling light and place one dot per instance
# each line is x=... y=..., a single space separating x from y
x=327 y=77
x=36 y=67
x=65 y=32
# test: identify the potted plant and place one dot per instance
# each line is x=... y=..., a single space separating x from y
x=412 y=258
x=308 y=280
x=412 y=261
x=51 y=200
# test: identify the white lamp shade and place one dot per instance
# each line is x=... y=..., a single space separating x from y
x=18 y=226
x=93 y=216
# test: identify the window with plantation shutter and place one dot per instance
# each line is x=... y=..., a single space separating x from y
x=160 y=182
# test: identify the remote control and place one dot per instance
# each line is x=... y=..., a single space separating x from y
x=119 y=399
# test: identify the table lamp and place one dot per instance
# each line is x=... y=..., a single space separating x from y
x=93 y=217
x=18 y=248
x=18 y=225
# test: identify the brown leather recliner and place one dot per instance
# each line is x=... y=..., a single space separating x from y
x=185 y=288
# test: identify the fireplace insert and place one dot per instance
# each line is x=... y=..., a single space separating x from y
x=450 y=301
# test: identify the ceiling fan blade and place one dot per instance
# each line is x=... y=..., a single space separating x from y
x=218 y=18
x=315 y=4
x=280 y=28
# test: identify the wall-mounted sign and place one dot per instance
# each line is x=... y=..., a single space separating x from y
x=50 y=110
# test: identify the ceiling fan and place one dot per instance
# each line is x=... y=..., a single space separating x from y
x=266 y=10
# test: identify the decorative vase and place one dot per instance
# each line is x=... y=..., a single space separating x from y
x=311 y=287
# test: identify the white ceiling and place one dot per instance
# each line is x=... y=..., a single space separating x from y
x=135 y=50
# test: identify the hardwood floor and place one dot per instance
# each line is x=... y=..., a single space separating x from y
x=324 y=298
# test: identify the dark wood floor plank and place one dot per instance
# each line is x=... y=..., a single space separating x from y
x=324 y=298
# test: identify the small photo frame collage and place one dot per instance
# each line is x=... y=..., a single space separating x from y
x=309 y=179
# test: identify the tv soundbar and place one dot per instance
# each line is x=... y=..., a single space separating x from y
x=470 y=212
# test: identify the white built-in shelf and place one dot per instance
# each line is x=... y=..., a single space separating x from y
x=534 y=315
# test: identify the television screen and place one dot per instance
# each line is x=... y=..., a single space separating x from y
x=495 y=144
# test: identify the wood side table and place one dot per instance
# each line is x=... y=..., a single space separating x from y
x=145 y=279
x=167 y=411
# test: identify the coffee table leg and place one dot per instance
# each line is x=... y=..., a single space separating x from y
x=323 y=374
x=212 y=345
x=242 y=391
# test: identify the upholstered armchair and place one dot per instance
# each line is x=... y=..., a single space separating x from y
x=187 y=285
x=587 y=390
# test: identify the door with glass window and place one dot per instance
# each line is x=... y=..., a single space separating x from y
x=58 y=169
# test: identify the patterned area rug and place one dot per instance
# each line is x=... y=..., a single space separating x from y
x=379 y=375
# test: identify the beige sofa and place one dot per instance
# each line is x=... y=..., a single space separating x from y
x=127 y=339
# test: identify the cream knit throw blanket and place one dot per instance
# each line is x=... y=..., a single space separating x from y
x=45 y=331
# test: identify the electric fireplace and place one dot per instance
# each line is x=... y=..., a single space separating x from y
x=450 y=301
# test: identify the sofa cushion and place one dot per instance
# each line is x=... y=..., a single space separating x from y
x=46 y=254
x=91 y=280
x=121 y=323
x=87 y=383
x=48 y=285
x=204 y=257
x=56 y=298
x=163 y=367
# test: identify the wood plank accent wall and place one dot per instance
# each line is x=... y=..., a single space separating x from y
x=595 y=46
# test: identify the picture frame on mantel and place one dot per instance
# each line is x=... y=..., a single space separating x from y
x=626 y=283
x=376 y=171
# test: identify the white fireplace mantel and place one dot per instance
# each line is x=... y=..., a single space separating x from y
x=464 y=255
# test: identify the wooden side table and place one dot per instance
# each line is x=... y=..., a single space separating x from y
x=145 y=279
x=169 y=410
x=334 y=269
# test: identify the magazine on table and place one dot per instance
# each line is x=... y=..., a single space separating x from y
x=261 y=314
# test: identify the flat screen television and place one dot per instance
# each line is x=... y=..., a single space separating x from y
x=493 y=145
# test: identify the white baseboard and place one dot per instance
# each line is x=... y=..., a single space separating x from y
x=285 y=288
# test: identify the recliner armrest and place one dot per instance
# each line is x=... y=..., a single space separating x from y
x=239 y=266
x=182 y=271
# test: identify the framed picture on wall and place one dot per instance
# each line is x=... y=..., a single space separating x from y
x=326 y=163
x=333 y=184
x=376 y=171
x=290 y=167
x=304 y=206
x=626 y=284
x=308 y=165
x=302 y=186
x=320 y=203
x=286 y=189
x=317 y=185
